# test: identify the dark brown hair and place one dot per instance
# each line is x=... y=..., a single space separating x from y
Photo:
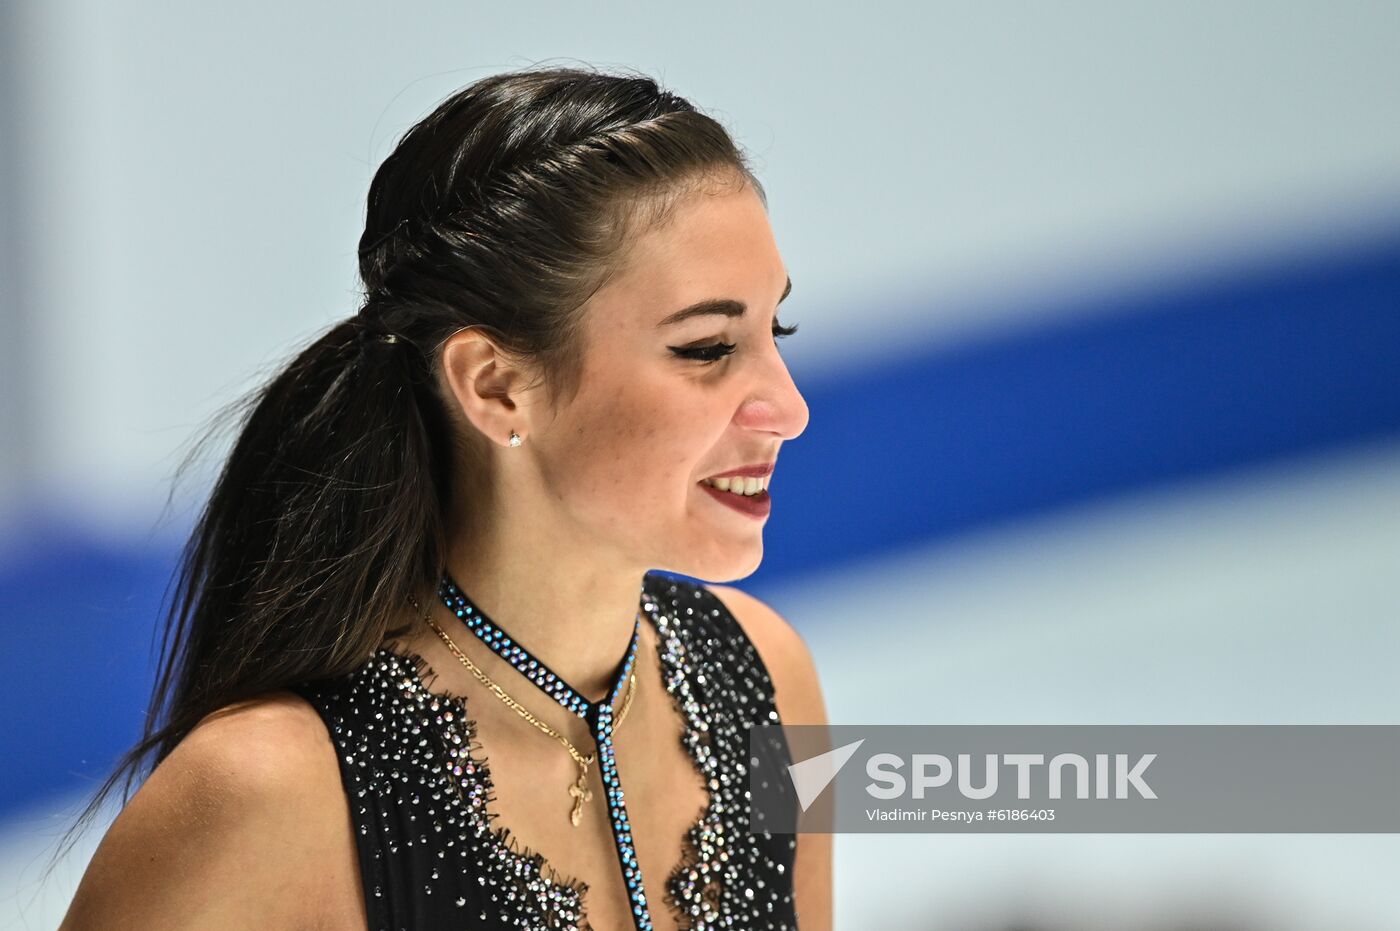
x=505 y=209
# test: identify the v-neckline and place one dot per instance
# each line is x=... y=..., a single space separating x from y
x=461 y=730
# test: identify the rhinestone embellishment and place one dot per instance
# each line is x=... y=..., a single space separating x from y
x=419 y=786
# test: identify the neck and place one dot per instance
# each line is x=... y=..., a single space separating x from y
x=575 y=617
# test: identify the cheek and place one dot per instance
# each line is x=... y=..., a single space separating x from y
x=634 y=450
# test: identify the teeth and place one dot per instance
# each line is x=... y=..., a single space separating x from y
x=739 y=485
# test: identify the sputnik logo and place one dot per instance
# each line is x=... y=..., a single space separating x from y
x=813 y=775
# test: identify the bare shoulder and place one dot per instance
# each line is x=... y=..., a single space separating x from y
x=796 y=685
x=244 y=824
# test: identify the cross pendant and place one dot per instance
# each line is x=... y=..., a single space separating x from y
x=580 y=795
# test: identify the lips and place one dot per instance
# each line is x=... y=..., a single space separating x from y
x=756 y=506
x=758 y=470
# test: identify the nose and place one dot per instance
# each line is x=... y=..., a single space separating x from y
x=774 y=405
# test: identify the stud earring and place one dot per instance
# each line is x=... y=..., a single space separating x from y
x=515 y=439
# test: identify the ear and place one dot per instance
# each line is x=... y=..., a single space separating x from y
x=488 y=385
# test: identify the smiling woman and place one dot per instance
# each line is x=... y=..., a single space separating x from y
x=435 y=661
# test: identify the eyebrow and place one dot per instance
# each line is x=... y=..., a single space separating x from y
x=725 y=307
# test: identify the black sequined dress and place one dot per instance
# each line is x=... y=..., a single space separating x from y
x=419 y=786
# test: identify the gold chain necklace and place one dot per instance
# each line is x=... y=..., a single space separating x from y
x=579 y=791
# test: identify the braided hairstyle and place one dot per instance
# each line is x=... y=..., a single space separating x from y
x=505 y=208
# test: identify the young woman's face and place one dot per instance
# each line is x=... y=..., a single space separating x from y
x=625 y=459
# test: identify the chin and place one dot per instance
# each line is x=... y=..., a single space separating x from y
x=719 y=568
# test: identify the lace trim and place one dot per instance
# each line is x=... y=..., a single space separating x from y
x=461 y=726
x=696 y=741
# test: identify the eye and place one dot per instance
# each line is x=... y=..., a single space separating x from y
x=713 y=352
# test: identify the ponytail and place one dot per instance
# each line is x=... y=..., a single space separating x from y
x=326 y=515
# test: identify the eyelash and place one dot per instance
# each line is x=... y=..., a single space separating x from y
x=716 y=351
